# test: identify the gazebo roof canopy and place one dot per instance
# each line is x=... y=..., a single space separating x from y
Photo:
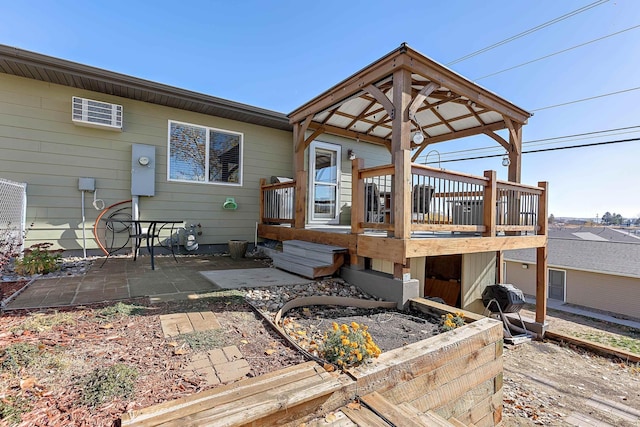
x=444 y=105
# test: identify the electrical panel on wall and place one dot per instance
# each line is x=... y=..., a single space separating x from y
x=143 y=170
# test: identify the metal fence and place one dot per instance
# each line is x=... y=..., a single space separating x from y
x=13 y=212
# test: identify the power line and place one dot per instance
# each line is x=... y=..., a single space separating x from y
x=540 y=150
x=585 y=99
x=529 y=31
x=593 y=134
x=555 y=53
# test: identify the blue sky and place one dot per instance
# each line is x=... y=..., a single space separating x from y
x=280 y=54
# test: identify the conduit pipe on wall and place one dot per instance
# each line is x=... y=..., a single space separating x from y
x=135 y=215
x=84 y=240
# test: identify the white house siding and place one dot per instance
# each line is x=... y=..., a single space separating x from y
x=41 y=146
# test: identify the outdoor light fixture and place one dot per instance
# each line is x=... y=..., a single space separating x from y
x=525 y=266
x=418 y=136
x=505 y=160
x=351 y=154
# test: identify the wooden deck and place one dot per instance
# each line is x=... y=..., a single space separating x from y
x=376 y=244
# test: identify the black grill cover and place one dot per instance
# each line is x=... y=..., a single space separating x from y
x=509 y=298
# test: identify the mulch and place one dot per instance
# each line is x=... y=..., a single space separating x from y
x=9 y=288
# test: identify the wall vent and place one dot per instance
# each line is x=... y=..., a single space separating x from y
x=103 y=115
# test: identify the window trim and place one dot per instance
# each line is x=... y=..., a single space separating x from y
x=208 y=129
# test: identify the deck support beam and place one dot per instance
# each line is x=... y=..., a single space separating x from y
x=542 y=276
x=541 y=285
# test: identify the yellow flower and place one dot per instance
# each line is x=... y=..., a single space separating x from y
x=344 y=328
x=355 y=326
x=335 y=326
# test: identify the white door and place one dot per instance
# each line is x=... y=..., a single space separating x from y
x=324 y=182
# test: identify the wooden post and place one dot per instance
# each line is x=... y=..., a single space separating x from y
x=399 y=270
x=499 y=267
x=541 y=284
x=263 y=182
x=401 y=130
x=515 y=155
x=301 y=199
x=542 y=276
x=490 y=202
x=401 y=154
x=357 y=196
x=402 y=195
x=543 y=210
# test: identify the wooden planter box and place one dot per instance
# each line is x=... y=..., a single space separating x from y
x=454 y=378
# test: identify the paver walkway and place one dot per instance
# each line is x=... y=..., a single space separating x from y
x=123 y=278
x=184 y=323
x=220 y=365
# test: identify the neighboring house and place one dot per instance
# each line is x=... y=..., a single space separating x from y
x=350 y=155
x=591 y=267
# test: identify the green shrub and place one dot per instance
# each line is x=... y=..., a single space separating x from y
x=104 y=383
x=38 y=259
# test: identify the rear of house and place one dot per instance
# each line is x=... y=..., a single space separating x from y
x=350 y=155
x=197 y=150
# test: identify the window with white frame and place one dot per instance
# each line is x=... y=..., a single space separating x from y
x=204 y=154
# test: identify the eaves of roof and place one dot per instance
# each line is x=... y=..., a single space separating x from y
x=48 y=69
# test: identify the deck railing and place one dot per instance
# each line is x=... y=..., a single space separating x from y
x=277 y=202
x=441 y=200
x=446 y=200
x=377 y=188
x=518 y=207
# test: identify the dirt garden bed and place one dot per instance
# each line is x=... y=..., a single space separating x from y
x=54 y=355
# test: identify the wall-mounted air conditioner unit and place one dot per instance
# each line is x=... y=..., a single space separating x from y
x=97 y=114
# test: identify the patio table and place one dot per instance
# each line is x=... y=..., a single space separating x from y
x=134 y=229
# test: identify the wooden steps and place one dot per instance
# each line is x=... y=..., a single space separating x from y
x=272 y=398
x=308 y=259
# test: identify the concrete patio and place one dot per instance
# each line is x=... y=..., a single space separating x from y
x=122 y=278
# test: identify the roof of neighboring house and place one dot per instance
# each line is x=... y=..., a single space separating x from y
x=48 y=69
x=603 y=234
x=603 y=257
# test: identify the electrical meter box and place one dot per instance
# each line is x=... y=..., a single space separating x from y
x=143 y=170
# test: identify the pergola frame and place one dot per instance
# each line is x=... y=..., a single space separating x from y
x=402 y=93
